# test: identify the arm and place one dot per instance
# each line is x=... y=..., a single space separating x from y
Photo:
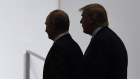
x=99 y=59
x=58 y=64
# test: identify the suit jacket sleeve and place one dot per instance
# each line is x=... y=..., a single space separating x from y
x=99 y=59
x=58 y=64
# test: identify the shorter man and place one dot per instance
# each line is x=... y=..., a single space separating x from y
x=65 y=58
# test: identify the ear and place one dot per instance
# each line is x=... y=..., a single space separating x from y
x=93 y=20
x=90 y=20
x=53 y=23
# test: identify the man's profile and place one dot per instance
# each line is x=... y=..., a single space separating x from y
x=65 y=58
x=106 y=55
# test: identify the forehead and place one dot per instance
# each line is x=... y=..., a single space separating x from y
x=84 y=14
x=47 y=20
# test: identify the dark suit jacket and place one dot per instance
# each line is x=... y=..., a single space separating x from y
x=106 y=56
x=64 y=60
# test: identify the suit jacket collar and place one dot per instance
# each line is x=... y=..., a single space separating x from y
x=96 y=31
x=100 y=30
x=60 y=35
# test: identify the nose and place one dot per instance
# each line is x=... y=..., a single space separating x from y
x=46 y=29
x=81 y=21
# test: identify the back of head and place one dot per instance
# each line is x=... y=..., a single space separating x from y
x=97 y=12
x=60 y=18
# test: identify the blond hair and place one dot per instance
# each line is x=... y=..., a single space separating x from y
x=98 y=12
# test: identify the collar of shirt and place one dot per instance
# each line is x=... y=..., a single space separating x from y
x=60 y=35
x=96 y=31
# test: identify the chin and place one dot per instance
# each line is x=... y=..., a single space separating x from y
x=86 y=32
x=49 y=37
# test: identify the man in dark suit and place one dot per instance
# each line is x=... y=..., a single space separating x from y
x=106 y=55
x=65 y=58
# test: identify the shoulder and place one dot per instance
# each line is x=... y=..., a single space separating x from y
x=106 y=34
x=66 y=43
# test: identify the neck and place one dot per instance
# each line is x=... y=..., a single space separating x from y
x=58 y=32
x=92 y=29
x=60 y=35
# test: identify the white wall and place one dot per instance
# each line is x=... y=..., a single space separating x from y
x=22 y=27
x=123 y=19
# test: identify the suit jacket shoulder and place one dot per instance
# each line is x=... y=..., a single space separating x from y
x=106 y=56
x=64 y=60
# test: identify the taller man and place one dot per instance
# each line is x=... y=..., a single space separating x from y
x=106 y=55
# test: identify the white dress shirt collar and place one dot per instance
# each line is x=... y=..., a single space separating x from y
x=96 y=31
x=60 y=35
